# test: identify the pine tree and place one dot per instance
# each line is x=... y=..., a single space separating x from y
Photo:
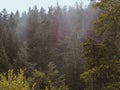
x=38 y=39
x=102 y=54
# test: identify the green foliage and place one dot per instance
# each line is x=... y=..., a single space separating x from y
x=21 y=60
x=11 y=81
x=50 y=79
x=102 y=63
x=102 y=52
x=70 y=62
x=108 y=23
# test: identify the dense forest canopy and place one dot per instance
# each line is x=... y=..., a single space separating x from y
x=69 y=48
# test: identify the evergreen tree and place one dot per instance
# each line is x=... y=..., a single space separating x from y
x=4 y=61
x=102 y=54
x=38 y=39
x=49 y=79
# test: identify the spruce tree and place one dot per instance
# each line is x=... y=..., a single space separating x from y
x=101 y=53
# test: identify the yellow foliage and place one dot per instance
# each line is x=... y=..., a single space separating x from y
x=46 y=88
x=10 y=81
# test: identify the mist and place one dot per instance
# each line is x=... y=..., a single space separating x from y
x=63 y=21
x=47 y=43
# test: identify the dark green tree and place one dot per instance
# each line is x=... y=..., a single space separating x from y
x=4 y=61
x=101 y=53
x=38 y=39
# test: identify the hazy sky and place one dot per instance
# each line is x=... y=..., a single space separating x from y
x=23 y=5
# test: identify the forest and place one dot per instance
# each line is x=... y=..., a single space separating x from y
x=62 y=48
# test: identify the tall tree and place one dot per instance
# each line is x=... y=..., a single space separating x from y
x=38 y=39
x=102 y=54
